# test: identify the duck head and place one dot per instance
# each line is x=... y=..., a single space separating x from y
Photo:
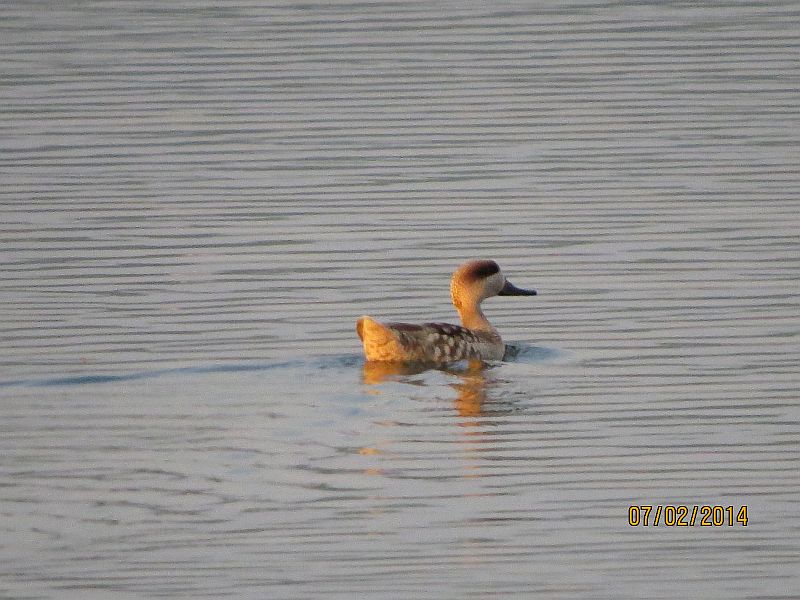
x=475 y=281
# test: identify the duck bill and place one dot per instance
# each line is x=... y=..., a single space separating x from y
x=509 y=289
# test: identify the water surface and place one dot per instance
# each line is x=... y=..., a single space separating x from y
x=199 y=201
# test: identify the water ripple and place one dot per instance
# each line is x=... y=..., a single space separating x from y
x=199 y=201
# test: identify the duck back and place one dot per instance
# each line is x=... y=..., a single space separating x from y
x=430 y=342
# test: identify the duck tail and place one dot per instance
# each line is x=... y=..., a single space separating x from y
x=379 y=341
x=369 y=328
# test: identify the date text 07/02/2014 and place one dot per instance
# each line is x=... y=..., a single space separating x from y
x=683 y=515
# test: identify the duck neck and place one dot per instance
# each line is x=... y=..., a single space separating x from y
x=472 y=317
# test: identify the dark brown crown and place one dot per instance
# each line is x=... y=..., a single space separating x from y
x=480 y=269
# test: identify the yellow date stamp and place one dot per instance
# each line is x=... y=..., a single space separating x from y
x=683 y=515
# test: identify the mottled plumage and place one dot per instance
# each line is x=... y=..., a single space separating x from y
x=441 y=343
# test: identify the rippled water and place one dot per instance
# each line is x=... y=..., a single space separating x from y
x=198 y=201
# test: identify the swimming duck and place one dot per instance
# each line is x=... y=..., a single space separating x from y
x=441 y=343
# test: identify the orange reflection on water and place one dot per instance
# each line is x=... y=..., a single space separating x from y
x=471 y=389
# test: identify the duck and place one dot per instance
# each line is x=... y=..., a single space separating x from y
x=441 y=343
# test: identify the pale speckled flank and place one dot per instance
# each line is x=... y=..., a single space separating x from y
x=441 y=343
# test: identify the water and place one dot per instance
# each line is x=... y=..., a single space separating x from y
x=199 y=201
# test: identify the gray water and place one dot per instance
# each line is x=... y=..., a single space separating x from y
x=198 y=201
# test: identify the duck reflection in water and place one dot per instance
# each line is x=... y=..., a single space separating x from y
x=471 y=388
